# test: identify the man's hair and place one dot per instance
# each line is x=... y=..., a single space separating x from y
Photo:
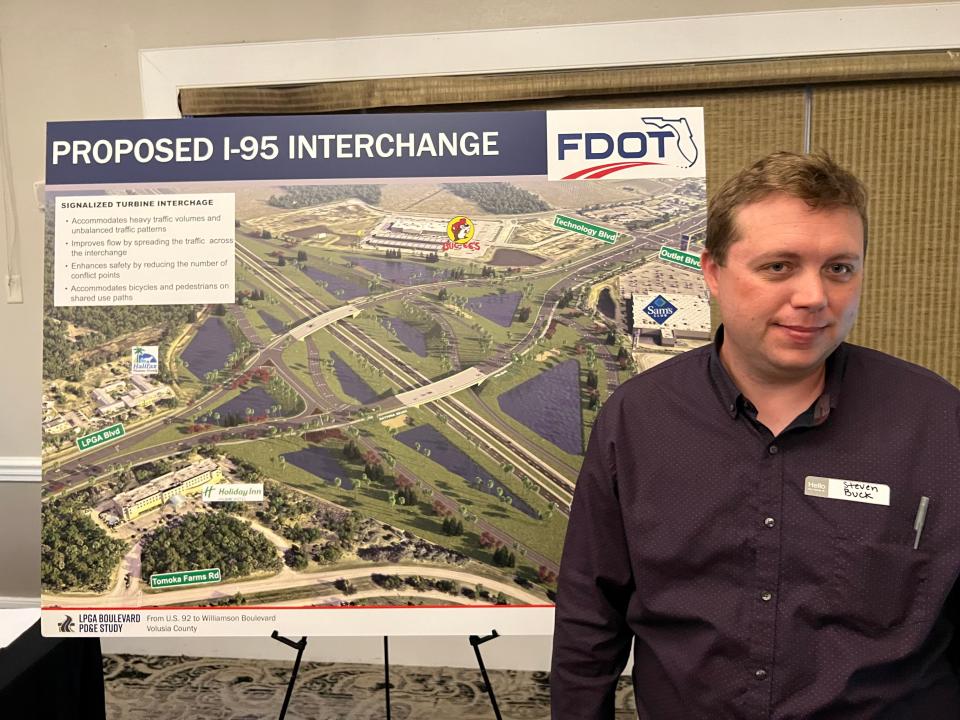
x=815 y=178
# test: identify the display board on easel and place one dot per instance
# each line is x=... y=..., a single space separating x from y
x=335 y=374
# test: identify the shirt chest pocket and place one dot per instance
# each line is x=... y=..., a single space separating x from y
x=875 y=584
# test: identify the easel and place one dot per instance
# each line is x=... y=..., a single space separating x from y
x=475 y=640
x=299 y=646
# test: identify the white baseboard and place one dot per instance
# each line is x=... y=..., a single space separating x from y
x=22 y=468
x=8 y=603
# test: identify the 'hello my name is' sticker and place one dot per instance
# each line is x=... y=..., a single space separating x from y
x=852 y=490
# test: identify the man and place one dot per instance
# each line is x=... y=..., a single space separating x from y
x=751 y=514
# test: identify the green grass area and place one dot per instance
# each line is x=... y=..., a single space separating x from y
x=373 y=501
x=296 y=358
x=175 y=432
x=278 y=310
x=371 y=322
x=327 y=343
x=262 y=249
x=545 y=536
x=168 y=433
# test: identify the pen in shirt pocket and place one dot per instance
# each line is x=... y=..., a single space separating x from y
x=920 y=519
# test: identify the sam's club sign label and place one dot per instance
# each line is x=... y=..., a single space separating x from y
x=236 y=492
x=625 y=144
x=145 y=360
x=660 y=309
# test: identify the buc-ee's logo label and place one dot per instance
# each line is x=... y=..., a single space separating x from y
x=144 y=359
x=460 y=232
x=625 y=144
x=660 y=309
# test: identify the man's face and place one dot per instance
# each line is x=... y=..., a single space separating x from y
x=790 y=287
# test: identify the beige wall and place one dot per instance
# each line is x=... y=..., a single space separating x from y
x=70 y=60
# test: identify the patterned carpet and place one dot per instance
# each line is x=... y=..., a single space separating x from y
x=141 y=687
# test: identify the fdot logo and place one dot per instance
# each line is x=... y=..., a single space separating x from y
x=660 y=309
x=624 y=144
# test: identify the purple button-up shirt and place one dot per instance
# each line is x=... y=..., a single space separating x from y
x=694 y=532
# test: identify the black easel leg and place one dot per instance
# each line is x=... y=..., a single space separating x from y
x=477 y=641
x=300 y=646
x=386 y=672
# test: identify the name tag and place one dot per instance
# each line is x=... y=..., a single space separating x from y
x=853 y=490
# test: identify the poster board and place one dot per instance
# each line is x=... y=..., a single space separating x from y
x=336 y=374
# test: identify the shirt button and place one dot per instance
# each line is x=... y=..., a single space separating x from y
x=760 y=674
x=773 y=449
x=769 y=522
x=766 y=596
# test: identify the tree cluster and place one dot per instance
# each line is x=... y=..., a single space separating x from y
x=209 y=540
x=658 y=219
x=344 y=586
x=566 y=299
x=393 y=254
x=548 y=577
x=290 y=402
x=351 y=451
x=407 y=496
x=75 y=552
x=502 y=557
x=296 y=558
x=452 y=526
x=374 y=472
x=417 y=582
x=328 y=554
x=150 y=470
x=107 y=321
x=298 y=196
x=498 y=197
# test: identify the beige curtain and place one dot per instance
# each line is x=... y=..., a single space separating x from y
x=893 y=118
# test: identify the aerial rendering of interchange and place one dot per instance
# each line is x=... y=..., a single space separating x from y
x=411 y=370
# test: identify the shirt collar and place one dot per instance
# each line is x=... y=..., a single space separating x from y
x=735 y=402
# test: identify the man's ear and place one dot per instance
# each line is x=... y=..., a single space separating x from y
x=710 y=269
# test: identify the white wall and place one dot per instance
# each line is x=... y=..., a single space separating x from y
x=78 y=60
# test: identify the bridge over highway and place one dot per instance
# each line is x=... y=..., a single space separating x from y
x=302 y=330
x=441 y=388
